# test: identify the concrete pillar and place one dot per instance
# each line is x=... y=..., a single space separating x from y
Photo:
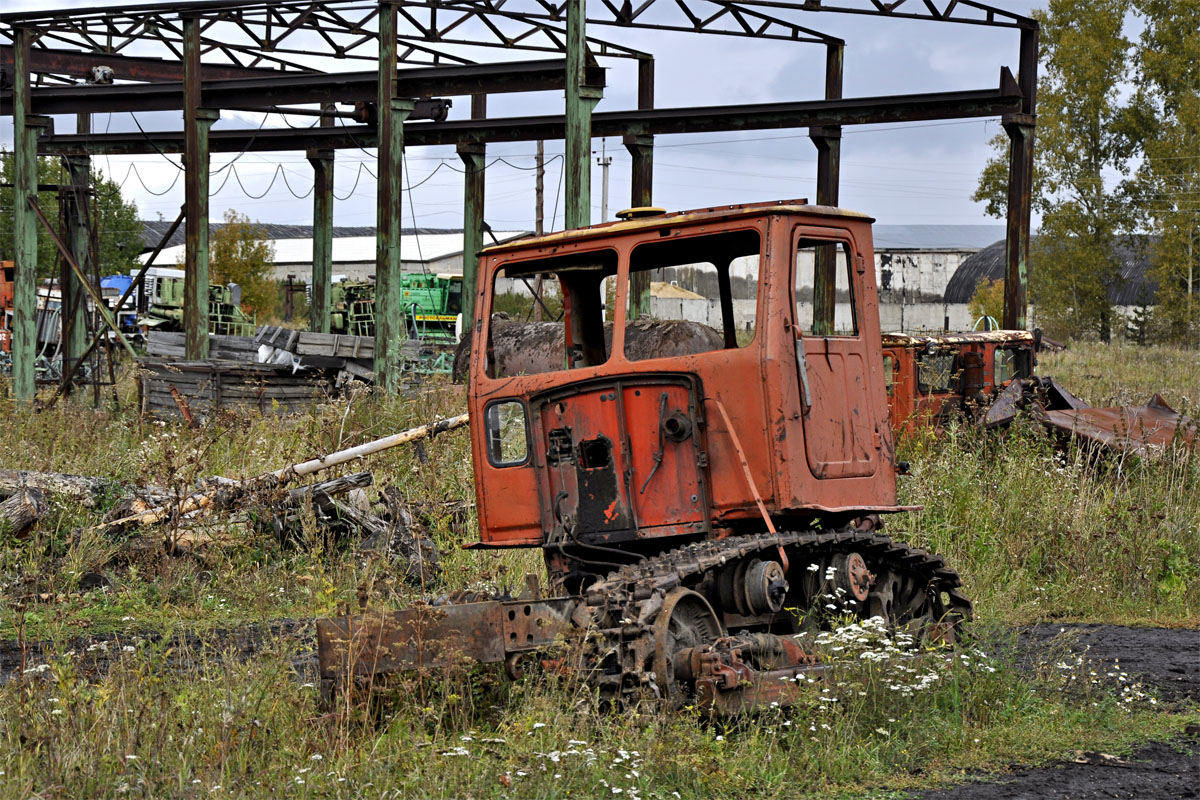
x=196 y=123
x=641 y=148
x=1020 y=129
x=580 y=101
x=474 y=156
x=828 y=140
x=389 y=297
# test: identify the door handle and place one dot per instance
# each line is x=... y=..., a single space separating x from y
x=802 y=368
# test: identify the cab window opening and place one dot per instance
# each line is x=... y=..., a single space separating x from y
x=826 y=305
x=703 y=294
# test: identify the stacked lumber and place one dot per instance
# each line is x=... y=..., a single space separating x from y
x=172 y=344
x=202 y=387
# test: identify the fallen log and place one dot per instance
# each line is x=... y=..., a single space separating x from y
x=22 y=511
x=86 y=490
x=239 y=494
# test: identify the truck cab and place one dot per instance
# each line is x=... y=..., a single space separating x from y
x=780 y=419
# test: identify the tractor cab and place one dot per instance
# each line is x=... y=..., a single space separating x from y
x=759 y=400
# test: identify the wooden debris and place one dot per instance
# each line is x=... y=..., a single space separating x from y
x=241 y=494
x=19 y=513
x=81 y=488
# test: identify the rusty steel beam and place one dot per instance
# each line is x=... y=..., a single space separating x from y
x=79 y=64
x=321 y=282
x=473 y=155
x=196 y=122
x=581 y=99
x=641 y=190
x=1020 y=130
x=26 y=128
x=296 y=89
x=763 y=116
x=828 y=141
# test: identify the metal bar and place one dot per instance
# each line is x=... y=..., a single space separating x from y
x=196 y=122
x=322 y=261
x=389 y=311
x=25 y=133
x=580 y=100
x=81 y=275
x=828 y=140
x=133 y=287
x=301 y=88
x=1020 y=129
x=706 y=119
x=74 y=308
x=473 y=155
x=641 y=148
x=127 y=68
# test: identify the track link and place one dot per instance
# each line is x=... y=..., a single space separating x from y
x=621 y=608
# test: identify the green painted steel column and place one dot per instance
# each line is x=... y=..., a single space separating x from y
x=828 y=140
x=390 y=329
x=474 y=159
x=196 y=123
x=581 y=99
x=322 y=257
x=74 y=304
x=26 y=128
x=641 y=148
x=1020 y=130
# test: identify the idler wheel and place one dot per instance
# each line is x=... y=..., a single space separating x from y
x=850 y=574
x=686 y=621
x=764 y=587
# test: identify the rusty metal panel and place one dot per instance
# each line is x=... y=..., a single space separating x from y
x=1140 y=430
x=423 y=636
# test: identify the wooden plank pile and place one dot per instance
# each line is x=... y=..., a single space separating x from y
x=193 y=390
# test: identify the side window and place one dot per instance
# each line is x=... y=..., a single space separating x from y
x=548 y=315
x=702 y=294
x=825 y=307
x=935 y=373
x=506 y=430
x=1004 y=366
x=889 y=365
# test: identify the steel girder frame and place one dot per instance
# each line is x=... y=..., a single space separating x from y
x=541 y=28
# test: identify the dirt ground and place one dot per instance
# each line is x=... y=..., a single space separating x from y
x=1168 y=660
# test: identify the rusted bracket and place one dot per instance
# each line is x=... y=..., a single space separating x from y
x=737 y=445
x=802 y=367
x=79 y=273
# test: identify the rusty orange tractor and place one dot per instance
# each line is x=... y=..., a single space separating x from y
x=696 y=511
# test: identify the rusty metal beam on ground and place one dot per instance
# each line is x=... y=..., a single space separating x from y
x=283 y=88
x=389 y=300
x=473 y=155
x=641 y=149
x=25 y=134
x=828 y=140
x=580 y=100
x=1020 y=130
x=196 y=123
x=321 y=281
x=706 y=119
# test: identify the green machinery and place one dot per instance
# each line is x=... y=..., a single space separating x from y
x=164 y=309
x=432 y=305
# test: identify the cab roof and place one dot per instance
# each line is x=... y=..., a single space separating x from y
x=669 y=219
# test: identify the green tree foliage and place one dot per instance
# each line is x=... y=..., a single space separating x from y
x=119 y=233
x=1164 y=117
x=988 y=300
x=1073 y=263
x=241 y=253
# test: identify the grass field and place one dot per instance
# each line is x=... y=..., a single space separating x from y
x=1037 y=533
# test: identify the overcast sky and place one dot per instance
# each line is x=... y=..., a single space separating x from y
x=921 y=173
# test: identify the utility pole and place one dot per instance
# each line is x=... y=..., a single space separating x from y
x=604 y=161
x=539 y=220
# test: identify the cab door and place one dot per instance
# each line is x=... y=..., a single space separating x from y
x=831 y=355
